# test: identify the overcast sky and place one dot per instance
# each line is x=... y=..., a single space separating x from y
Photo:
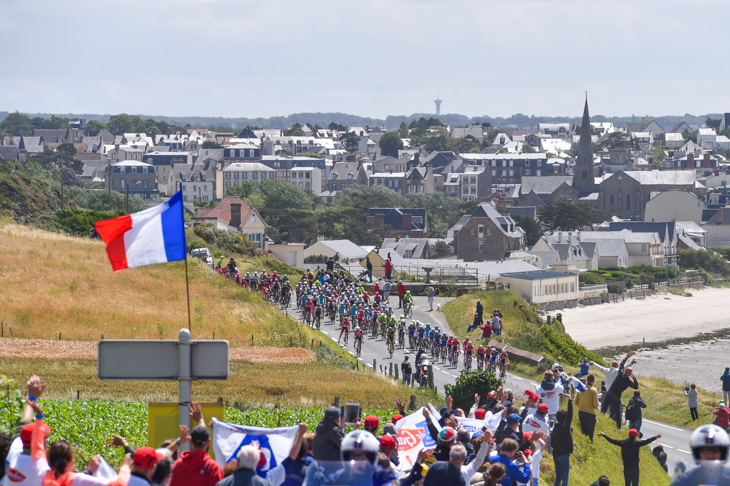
x=240 y=58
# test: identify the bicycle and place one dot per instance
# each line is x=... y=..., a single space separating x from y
x=308 y=318
x=402 y=338
x=391 y=347
x=467 y=362
x=358 y=346
x=347 y=334
x=318 y=320
x=408 y=310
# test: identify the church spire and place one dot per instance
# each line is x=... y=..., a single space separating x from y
x=583 y=180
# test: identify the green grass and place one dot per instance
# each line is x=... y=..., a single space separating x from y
x=523 y=327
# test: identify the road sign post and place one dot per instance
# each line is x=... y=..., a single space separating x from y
x=183 y=360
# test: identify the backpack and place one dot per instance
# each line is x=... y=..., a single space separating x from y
x=632 y=411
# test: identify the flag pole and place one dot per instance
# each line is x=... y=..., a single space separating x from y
x=187 y=290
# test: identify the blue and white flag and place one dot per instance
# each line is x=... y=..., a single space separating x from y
x=578 y=385
x=275 y=443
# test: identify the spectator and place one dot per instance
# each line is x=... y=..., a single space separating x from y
x=562 y=442
x=622 y=381
x=163 y=471
x=245 y=475
x=661 y=457
x=328 y=437
x=633 y=411
x=431 y=292
x=726 y=385
x=584 y=368
x=464 y=438
x=494 y=474
x=509 y=428
x=722 y=416
x=477 y=322
x=195 y=467
x=406 y=371
x=331 y=265
x=387 y=286
x=692 y=401
x=369 y=269
x=497 y=325
x=602 y=481
x=612 y=372
x=587 y=403
x=401 y=288
x=144 y=464
x=486 y=330
x=371 y=424
x=550 y=392
x=709 y=446
x=517 y=468
x=480 y=309
x=442 y=473
x=388 y=268
x=537 y=421
x=630 y=454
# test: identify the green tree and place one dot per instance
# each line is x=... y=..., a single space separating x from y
x=337 y=126
x=565 y=216
x=528 y=149
x=403 y=129
x=533 y=230
x=122 y=123
x=210 y=144
x=689 y=135
x=657 y=155
x=350 y=140
x=439 y=250
x=16 y=124
x=95 y=126
x=390 y=143
x=713 y=122
x=243 y=191
x=294 y=131
x=470 y=382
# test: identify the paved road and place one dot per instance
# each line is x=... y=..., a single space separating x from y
x=674 y=439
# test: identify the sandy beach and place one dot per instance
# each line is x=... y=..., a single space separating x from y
x=660 y=318
x=657 y=318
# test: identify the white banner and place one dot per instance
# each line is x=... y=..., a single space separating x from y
x=105 y=471
x=473 y=425
x=412 y=437
x=275 y=443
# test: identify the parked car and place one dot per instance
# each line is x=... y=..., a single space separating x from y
x=202 y=253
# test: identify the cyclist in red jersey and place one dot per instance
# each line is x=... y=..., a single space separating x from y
x=345 y=328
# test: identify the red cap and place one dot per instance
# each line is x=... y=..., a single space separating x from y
x=527 y=452
x=397 y=417
x=146 y=457
x=491 y=394
x=387 y=442
x=371 y=422
x=532 y=396
x=27 y=432
x=480 y=413
x=526 y=435
x=633 y=433
x=542 y=407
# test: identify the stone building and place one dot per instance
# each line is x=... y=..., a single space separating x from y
x=486 y=235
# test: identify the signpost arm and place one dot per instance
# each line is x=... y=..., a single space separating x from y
x=185 y=382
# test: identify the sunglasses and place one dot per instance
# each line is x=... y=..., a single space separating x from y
x=710 y=450
x=358 y=456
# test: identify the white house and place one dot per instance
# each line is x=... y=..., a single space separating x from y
x=549 y=289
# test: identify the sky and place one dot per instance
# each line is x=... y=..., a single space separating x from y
x=243 y=58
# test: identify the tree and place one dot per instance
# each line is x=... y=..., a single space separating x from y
x=243 y=191
x=528 y=149
x=689 y=135
x=337 y=126
x=533 y=230
x=294 y=131
x=390 y=143
x=403 y=129
x=210 y=144
x=565 y=216
x=122 y=123
x=350 y=140
x=16 y=124
x=657 y=157
x=439 y=250
x=95 y=126
x=713 y=122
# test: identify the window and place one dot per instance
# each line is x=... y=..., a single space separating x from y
x=195 y=188
x=628 y=201
x=307 y=185
x=255 y=175
x=527 y=172
x=643 y=247
x=228 y=176
x=480 y=231
x=271 y=175
x=611 y=201
x=481 y=247
x=494 y=173
x=263 y=176
x=244 y=175
x=235 y=175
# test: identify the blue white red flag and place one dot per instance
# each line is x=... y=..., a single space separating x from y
x=578 y=385
x=155 y=235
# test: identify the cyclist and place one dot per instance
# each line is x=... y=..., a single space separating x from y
x=443 y=345
x=412 y=334
x=503 y=362
x=481 y=357
x=468 y=352
x=407 y=301
x=383 y=318
x=390 y=342
x=308 y=308
x=345 y=328
x=318 y=314
x=358 y=339
x=493 y=358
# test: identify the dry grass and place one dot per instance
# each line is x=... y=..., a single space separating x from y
x=45 y=349
x=249 y=385
x=55 y=284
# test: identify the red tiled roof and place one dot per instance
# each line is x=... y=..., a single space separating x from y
x=223 y=210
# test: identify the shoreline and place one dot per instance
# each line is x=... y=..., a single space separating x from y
x=687 y=338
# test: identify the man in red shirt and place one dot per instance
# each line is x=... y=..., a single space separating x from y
x=196 y=467
x=401 y=293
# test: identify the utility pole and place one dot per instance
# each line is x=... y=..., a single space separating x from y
x=126 y=198
x=109 y=183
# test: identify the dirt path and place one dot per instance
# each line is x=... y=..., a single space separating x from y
x=43 y=349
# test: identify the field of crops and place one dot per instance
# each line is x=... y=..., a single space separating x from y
x=87 y=424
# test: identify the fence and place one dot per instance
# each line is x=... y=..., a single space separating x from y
x=451 y=275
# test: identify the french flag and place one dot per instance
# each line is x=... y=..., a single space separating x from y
x=155 y=235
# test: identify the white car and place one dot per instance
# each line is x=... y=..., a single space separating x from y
x=202 y=253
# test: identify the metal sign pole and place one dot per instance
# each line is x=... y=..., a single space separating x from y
x=185 y=382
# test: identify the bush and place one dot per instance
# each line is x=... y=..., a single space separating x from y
x=591 y=278
x=703 y=260
x=469 y=383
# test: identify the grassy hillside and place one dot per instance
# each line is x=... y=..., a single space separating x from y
x=523 y=327
x=53 y=283
x=25 y=196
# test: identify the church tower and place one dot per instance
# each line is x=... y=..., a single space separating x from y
x=583 y=180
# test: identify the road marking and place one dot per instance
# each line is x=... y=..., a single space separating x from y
x=682 y=450
x=360 y=359
x=326 y=332
x=517 y=378
x=437 y=368
x=663 y=425
x=368 y=364
x=351 y=353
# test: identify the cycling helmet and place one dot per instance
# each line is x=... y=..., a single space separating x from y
x=709 y=436
x=402 y=316
x=360 y=442
x=467 y=339
x=481 y=347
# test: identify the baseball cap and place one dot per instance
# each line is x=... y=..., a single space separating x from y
x=445 y=409
x=513 y=418
x=26 y=433
x=332 y=413
x=146 y=457
x=527 y=452
x=447 y=435
x=389 y=429
x=491 y=394
x=543 y=408
x=526 y=436
x=387 y=442
x=397 y=417
x=200 y=434
x=633 y=433
x=371 y=422
x=480 y=413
